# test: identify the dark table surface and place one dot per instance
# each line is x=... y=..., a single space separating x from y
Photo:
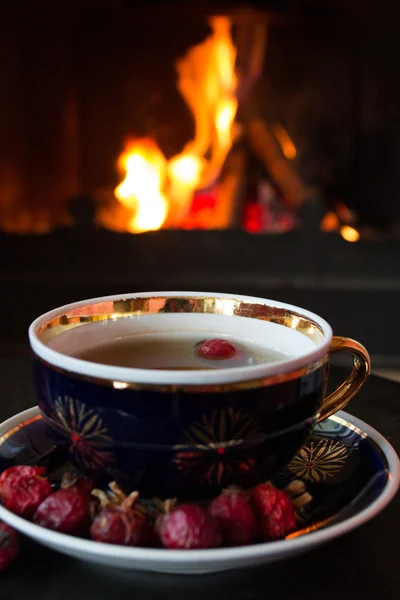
x=365 y=562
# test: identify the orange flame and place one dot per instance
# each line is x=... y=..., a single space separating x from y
x=145 y=168
x=330 y=222
x=349 y=233
x=158 y=191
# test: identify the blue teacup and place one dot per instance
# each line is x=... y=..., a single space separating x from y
x=187 y=433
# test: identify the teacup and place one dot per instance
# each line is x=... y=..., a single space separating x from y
x=186 y=433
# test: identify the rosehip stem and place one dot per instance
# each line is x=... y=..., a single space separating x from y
x=103 y=498
x=168 y=505
x=68 y=480
x=115 y=497
x=298 y=494
x=119 y=495
x=130 y=500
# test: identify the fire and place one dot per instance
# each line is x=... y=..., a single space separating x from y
x=185 y=168
x=349 y=233
x=145 y=168
x=330 y=222
x=159 y=192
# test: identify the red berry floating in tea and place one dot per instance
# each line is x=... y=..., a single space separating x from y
x=9 y=545
x=216 y=349
x=23 y=488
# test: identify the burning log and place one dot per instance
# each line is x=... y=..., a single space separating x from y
x=230 y=191
x=266 y=147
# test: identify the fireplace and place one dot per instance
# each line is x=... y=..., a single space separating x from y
x=229 y=146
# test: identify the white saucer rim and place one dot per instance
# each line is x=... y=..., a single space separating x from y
x=212 y=556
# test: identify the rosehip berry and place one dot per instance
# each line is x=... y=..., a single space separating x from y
x=22 y=489
x=67 y=511
x=236 y=518
x=274 y=511
x=119 y=522
x=114 y=525
x=85 y=485
x=23 y=471
x=216 y=349
x=9 y=545
x=189 y=527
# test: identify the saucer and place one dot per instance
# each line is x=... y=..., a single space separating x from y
x=345 y=475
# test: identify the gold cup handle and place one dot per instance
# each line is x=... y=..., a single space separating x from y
x=354 y=382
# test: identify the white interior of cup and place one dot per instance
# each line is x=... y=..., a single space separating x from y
x=300 y=349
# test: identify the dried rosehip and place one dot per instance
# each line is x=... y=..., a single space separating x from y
x=67 y=511
x=9 y=545
x=119 y=522
x=22 y=471
x=23 y=488
x=216 y=349
x=115 y=525
x=274 y=511
x=189 y=527
x=236 y=518
x=85 y=485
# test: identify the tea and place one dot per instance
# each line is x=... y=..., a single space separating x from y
x=180 y=351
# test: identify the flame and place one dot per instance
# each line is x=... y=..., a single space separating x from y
x=185 y=168
x=160 y=191
x=223 y=121
x=145 y=168
x=330 y=222
x=349 y=233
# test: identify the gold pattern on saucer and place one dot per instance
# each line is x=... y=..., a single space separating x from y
x=22 y=425
x=316 y=461
x=298 y=494
x=309 y=529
